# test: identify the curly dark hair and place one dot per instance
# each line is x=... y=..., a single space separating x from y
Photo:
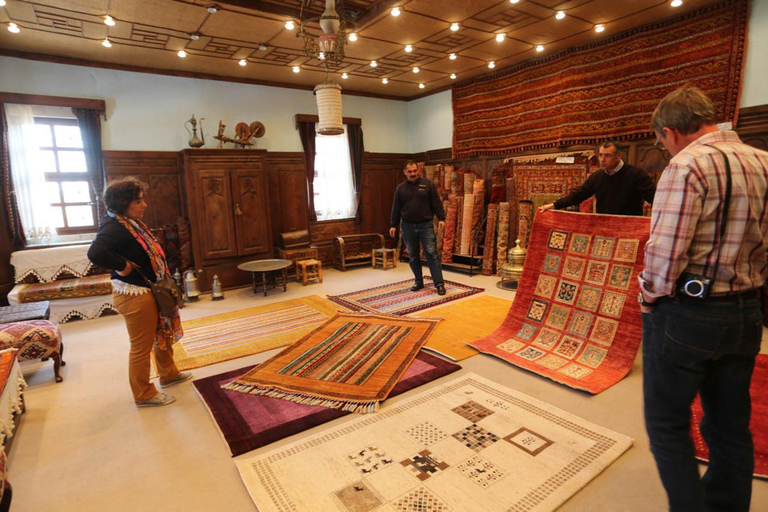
x=120 y=193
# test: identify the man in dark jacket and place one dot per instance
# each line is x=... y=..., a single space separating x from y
x=416 y=203
x=618 y=187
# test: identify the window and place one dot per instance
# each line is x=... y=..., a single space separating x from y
x=62 y=160
x=333 y=184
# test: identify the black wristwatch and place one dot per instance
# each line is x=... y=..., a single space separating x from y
x=642 y=301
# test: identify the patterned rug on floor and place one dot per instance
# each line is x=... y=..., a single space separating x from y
x=575 y=318
x=467 y=445
x=351 y=362
x=463 y=323
x=217 y=338
x=247 y=422
x=758 y=424
x=398 y=299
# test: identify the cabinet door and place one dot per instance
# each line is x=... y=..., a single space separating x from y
x=293 y=195
x=214 y=201
x=249 y=190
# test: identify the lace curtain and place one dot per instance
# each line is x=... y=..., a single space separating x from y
x=27 y=175
x=334 y=187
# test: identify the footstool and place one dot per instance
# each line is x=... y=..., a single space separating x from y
x=309 y=269
x=383 y=257
x=35 y=339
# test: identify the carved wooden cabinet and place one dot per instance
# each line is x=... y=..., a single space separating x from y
x=229 y=211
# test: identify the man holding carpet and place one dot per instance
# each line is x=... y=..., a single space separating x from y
x=705 y=262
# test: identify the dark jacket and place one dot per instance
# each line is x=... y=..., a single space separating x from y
x=416 y=202
x=618 y=194
x=113 y=245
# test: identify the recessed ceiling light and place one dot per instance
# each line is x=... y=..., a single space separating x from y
x=454 y=26
x=296 y=69
x=243 y=62
x=539 y=48
x=352 y=37
x=321 y=56
x=560 y=15
x=194 y=36
x=676 y=3
x=408 y=48
x=500 y=37
x=453 y=76
x=2 y=3
x=396 y=12
x=492 y=64
x=599 y=28
x=452 y=56
x=384 y=81
x=13 y=28
x=212 y=9
x=108 y=20
x=106 y=43
x=181 y=53
x=263 y=47
x=513 y=1
x=421 y=86
x=374 y=63
x=344 y=76
x=290 y=25
x=416 y=69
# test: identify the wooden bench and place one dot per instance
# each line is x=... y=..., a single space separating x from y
x=355 y=250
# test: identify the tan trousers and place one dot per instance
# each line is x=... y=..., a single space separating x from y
x=140 y=313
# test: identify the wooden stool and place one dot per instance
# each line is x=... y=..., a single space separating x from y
x=309 y=269
x=383 y=257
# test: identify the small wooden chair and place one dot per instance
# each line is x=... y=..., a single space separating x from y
x=383 y=257
x=309 y=269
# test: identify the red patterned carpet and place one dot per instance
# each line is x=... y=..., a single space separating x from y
x=575 y=317
x=758 y=425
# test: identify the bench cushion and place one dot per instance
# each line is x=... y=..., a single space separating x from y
x=66 y=289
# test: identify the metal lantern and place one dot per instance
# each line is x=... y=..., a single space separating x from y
x=191 y=286
x=512 y=270
x=216 y=292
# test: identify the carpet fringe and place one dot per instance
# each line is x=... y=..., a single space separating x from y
x=360 y=407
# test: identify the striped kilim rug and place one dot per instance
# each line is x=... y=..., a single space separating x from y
x=398 y=299
x=351 y=362
x=217 y=338
x=468 y=445
x=464 y=322
x=575 y=318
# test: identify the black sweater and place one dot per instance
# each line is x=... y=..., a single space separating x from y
x=113 y=245
x=416 y=202
x=618 y=194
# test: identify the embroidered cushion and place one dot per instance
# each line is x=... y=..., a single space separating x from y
x=66 y=289
x=35 y=339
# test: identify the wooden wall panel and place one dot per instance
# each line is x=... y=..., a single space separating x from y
x=382 y=172
x=288 y=193
x=161 y=172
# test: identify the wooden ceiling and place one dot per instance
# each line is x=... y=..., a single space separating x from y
x=149 y=33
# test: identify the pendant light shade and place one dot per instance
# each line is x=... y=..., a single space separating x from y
x=329 y=109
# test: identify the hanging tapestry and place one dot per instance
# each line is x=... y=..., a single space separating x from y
x=603 y=90
x=468 y=445
x=575 y=318
x=351 y=362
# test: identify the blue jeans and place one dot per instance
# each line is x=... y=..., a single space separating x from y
x=709 y=347
x=424 y=232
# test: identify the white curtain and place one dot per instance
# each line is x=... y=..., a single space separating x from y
x=334 y=186
x=28 y=176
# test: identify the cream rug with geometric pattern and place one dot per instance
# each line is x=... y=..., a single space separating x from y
x=467 y=445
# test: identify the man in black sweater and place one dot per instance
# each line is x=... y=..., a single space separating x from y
x=416 y=203
x=619 y=188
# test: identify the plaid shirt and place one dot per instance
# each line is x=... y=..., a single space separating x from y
x=685 y=223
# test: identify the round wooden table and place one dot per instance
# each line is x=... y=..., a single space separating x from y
x=268 y=270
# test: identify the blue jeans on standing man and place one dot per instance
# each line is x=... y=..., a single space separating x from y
x=705 y=346
x=424 y=232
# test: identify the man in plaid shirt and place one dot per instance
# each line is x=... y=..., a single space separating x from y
x=705 y=344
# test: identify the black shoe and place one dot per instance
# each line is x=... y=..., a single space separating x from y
x=417 y=287
x=440 y=289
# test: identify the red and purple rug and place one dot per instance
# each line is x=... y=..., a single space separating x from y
x=247 y=422
x=758 y=424
x=575 y=318
x=398 y=299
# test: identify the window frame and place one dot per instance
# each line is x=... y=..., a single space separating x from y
x=62 y=177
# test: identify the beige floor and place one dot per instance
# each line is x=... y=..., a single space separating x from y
x=83 y=446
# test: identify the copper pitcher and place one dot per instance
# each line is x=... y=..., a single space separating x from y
x=194 y=140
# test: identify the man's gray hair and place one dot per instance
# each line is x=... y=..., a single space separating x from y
x=686 y=110
x=611 y=144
